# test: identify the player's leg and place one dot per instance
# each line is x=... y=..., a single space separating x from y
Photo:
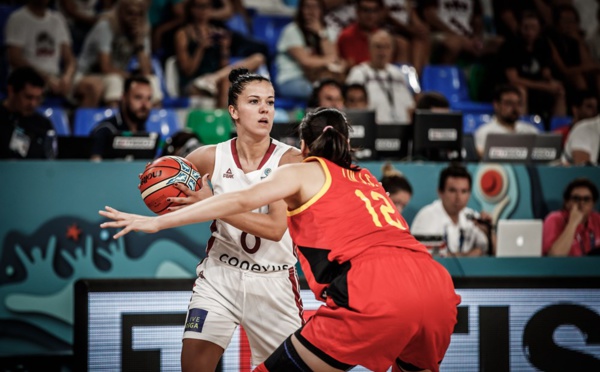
x=274 y=296
x=292 y=356
x=200 y=355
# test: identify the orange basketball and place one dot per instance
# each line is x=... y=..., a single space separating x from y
x=157 y=183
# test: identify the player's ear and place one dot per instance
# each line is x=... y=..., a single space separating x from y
x=233 y=112
x=303 y=148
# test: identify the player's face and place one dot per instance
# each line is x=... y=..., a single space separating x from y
x=331 y=96
x=455 y=195
x=255 y=109
x=138 y=101
x=400 y=199
x=27 y=100
x=582 y=197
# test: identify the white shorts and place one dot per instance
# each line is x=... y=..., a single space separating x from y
x=267 y=305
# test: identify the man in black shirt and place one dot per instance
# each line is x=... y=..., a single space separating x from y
x=134 y=110
x=24 y=132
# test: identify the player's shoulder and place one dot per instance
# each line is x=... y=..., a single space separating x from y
x=292 y=155
x=203 y=158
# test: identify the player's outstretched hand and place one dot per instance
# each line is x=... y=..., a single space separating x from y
x=129 y=222
x=191 y=196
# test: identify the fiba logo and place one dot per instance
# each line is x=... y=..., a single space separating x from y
x=266 y=173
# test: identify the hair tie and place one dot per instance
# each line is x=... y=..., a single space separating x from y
x=327 y=127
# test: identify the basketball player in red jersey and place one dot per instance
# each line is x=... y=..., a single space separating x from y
x=387 y=302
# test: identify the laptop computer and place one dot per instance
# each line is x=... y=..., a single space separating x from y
x=363 y=133
x=394 y=141
x=127 y=145
x=469 y=151
x=437 y=135
x=508 y=147
x=547 y=147
x=286 y=133
x=519 y=238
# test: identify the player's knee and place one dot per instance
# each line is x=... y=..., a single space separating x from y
x=285 y=358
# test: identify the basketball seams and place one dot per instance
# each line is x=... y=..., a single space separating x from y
x=172 y=169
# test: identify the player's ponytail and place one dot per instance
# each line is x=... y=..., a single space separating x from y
x=325 y=133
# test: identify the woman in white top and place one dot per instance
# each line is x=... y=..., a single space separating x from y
x=305 y=52
x=248 y=276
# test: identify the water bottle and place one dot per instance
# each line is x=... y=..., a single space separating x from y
x=50 y=145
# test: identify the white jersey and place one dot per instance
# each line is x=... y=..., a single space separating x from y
x=231 y=245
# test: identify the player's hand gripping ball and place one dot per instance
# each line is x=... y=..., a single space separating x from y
x=157 y=183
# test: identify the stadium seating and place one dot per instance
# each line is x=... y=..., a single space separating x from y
x=473 y=121
x=451 y=82
x=211 y=126
x=163 y=121
x=237 y=23
x=168 y=101
x=534 y=120
x=59 y=119
x=267 y=28
x=281 y=116
x=559 y=121
x=85 y=119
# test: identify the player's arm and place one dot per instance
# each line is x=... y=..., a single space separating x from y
x=285 y=182
x=271 y=225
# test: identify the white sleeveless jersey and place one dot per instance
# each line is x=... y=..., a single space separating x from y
x=235 y=247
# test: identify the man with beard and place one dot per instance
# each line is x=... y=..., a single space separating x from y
x=507 y=109
x=135 y=107
x=23 y=131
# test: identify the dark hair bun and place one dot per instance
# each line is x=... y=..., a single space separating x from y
x=236 y=73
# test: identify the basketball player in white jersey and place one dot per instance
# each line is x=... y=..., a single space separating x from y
x=248 y=276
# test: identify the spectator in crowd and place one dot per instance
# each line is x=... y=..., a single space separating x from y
x=387 y=89
x=81 y=16
x=353 y=41
x=305 y=52
x=241 y=45
x=165 y=17
x=456 y=27
x=327 y=93
x=507 y=14
x=575 y=229
x=507 y=111
x=572 y=61
x=593 y=39
x=23 y=131
x=122 y=34
x=584 y=105
x=526 y=63
x=583 y=143
x=134 y=110
x=411 y=33
x=37 y=36
x=203 y=55
x=339 y=14
x=356 y=96
x=433 y=101
x=450 y=218
x=396 y=185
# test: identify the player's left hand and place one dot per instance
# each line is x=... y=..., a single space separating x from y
x=191 y=196
x=129 y=222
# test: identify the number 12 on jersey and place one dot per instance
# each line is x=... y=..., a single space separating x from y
x=387 y=210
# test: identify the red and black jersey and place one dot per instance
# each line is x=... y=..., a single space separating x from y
x=348 y=216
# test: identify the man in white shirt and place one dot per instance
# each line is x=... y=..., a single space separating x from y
x=386 y=87
x=583 y=144
x=449 y=218
x=507 y=109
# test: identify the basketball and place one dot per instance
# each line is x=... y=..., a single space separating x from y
x=157 y=182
